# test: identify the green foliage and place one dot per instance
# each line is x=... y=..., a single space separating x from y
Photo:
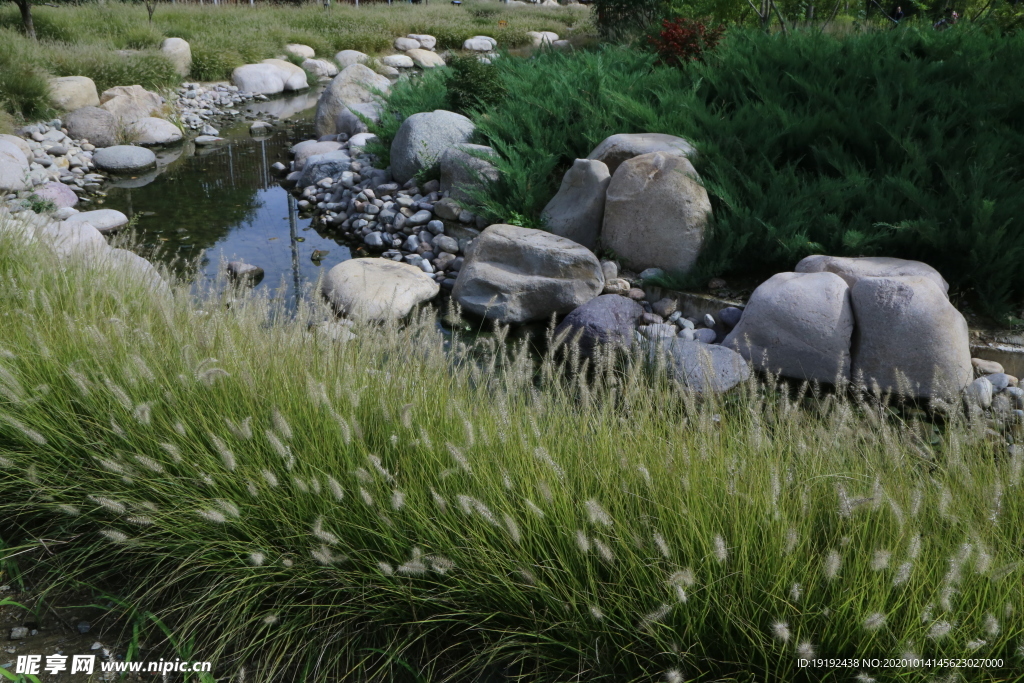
x=624 y=19
x=212 y=62
x=473 y=84
x=23 y=87
x=899 y=143
x=151 y=70
x=424 y=93
x=39 y=205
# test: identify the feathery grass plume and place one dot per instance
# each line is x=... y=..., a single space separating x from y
x=4 y=462
x=229 y=508
x=111 y=465
x=582 y=542
x=983 y=562
x=367 y=498
x=414 y=567
x=545 y=492
x=116 y=428
x=645 y=473
x=213 y=516
x=527 y=576
x=603 y=550
x=655 y=616
x=257 y=559
x=109 y=503
x=946 y=597
x=225 y=453
x=440 y=564
x=251 y=488
x=597 y=514
x=30 y=434
x=832 y=564
x=721 y=551
x=534 y=509
x=397 y=500
x=926 y=614
x=209 y=376
x=439 y=501
x=506 y=480
x=69 y=509
x=780 y=630
x=143 y=414
x=120 y=394
x=945 y=500
x=172 y=451
x=465 y=503
x=796 y=592
x=322 y=534
x=874 y=621
x=324 y=556
x=902 y=573
x=481 y=509
x=300 y=484
x=242 y=430
x=939 y=630
x=269 y=477
x=659 y=541
x=680 y=594
x=149 y=463
x=674 y=676
x=80 y=381
x=513 y=528
x=864 y=678
x=271 y=619
x=845 y=509
x=336 y=490
x=140 y=520
x=180 y=429
x=279 y=446
x=281 y=424
x=459 y=458
x=805 y=650
x=143 y=368
x=791 y=540
x=991 y=625
x=596 y=612
x=115 y=536
x=916 y=500
x=346 y=430
x=386 y=569
x=914 y=547
x=683 y=577
x=973 y=645
x=880 y=560
x=379 y=466
x=542 y=455
x=406 y=415
x=363 y=475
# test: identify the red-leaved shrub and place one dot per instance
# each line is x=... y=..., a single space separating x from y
x=684 y=40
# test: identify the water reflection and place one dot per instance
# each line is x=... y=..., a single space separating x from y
x=224 y=199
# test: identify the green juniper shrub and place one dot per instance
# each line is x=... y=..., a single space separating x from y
x=473 y=84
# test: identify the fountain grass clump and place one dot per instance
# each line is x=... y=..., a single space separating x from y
x=312 y=509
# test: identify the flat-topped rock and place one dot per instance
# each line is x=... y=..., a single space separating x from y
x=61 y=195
x=299 y=50
x=73 y=92
x=96 y=125
x=377 y=289
x=129 y=103
x=615 y=149
x=154 y=131
x=104 y=220
x=347 y=58
x=425 y=59
x=124 y=159
x=853 y=269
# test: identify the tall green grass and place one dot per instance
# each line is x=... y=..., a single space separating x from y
x=409 y=506
x=899 y=143
x=82 y=40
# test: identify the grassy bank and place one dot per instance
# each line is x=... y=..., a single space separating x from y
x=899 y=143
x=407 y=507
x=82 y=41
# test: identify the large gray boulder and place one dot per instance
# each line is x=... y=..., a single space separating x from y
x=423 y=138
x=377 y=289
x=655 y=213
x=96 y=125
x=618 y=148
x=320 y=68
x=124 y=159
x=798 y=325
x=74 y=238
x=269 y=77
x=153 y=131
x=347 y=58
x=354 y=85
x=350 y=122
x=518 y=275
x=852 y=269
x=906 y=325
x=425 y=59
x=480 y=44
x=605 y=319
x=577 y=210
x=329 y=165
x=103 y=220
x=130 y=103
x=180 y=53
x=14 y=168
x=134 y=269
x=300 y=50
x=704 y=368
x=462 y=169
x=68 y=93
x=311 y=148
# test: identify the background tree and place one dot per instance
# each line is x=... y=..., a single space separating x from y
x=26 y=17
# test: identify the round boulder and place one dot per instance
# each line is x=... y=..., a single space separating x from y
x=304 y=51
x=347 y=58
x=518 y=275
x=320 y=68
x=14 y=168
x=704 y=368
x=153 y=131
x=60 y=194
x=480 y=44
x=425 y=59
x=353 y=86
x=129 y=103
x=908 y=338
x=618 y=148
x=104 y=220
x=656 y=212
x=539 y=38
x=605 y=319
x=96 y=125
x=423 y=138
x=73 y=92
x=398 y=61
x=377 y=289
x=71 y=238
x=403 y=44
x=577 y=210
x=798 y=325
x=427 y=42
x=124 y=159
x=180 y=53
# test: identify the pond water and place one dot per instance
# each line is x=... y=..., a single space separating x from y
x=225 y=201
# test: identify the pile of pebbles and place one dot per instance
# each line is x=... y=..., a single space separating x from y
x=198 y=104
x=403 y=223
x=55 y=157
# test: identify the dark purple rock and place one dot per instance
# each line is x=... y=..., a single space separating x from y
x=730 y=316
x=60 y=194
x=606 y=319
x=705 y=335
